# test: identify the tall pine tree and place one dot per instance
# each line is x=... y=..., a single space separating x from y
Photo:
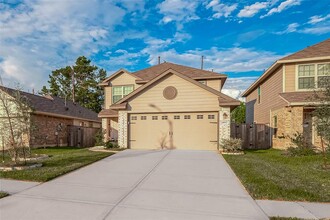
x=86 y=75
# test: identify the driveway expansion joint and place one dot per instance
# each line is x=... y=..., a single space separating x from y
x=136 y=185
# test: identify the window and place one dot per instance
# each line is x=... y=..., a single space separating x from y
x=259 y=94
x=323 y=74
x=119 y=92
x=143 y=117
x=187 y=117
x=154 y=117
x=199 y=116
x=164 y=117
x=202 y=81
x=210 y=116
x=133 y=118
x=306 y=76
x=275 y=126
x=176 y=116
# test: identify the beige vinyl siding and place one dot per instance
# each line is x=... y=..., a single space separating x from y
x=214 y=84
x=190 y=97
x=108 y=96
x=121 y=80
x=270 y=99
x=290 y=77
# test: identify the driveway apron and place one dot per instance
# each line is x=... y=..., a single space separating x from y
x=153 y=184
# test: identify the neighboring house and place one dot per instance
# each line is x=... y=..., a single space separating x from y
x=166 y=106
x=282 y=96
x=53 y=119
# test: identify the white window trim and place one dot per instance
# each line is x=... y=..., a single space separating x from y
x=315 y=76
x=122 y=92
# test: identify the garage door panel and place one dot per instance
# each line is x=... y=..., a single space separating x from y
x=174 y=131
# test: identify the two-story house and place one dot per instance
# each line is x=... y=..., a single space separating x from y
x=166 y=106
x=282 y=96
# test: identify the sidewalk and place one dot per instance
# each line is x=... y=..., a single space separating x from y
x=304 y=210
x=15 y=186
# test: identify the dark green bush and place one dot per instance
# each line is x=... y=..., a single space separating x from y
x=300 y=146
x=99 y=137
x=111 y=144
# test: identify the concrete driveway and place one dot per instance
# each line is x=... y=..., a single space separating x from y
x=139 y=185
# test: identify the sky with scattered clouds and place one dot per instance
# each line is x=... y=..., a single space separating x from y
x=238 y=38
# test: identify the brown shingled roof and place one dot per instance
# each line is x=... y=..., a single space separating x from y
x=154 y=71
x=321 y=49
x=291 y=97
x=108 y=113
x=55 y=105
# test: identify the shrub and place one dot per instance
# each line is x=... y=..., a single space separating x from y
x=99 y=137
x=111 y=145
x=300 y=146
x=232 y=145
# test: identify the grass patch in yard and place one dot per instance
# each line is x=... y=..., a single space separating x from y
x=267 y=174
x=3 y=194
x=62 y=160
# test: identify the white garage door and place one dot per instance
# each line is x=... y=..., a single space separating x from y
x=196 y=131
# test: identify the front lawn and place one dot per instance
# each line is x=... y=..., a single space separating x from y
x=62 y=160
x=267 y=174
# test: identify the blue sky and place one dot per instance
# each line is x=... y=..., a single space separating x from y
x=239 y=38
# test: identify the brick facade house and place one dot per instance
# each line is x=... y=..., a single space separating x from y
x=282 y=97
x=51 y=118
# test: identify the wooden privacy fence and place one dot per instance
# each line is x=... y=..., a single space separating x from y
x=254 y=136
x=81 y=136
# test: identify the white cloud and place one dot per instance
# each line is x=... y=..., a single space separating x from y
x=291 y=28
x=219 y=59
x=179 y=11
x=281 y=7
x=38 y=36
x=251 y=10
x=317 y=18
x=220 y=9
x=317 y=30
x=235 y=86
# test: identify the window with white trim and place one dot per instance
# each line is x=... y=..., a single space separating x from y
x=312 y=76
x=119 y=92
x=306 y=76
x=176 y=116
x=202 y=81
x=323 y=74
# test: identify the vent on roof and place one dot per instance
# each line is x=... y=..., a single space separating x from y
x=47 y=96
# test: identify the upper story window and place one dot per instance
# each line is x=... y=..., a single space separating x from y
x=119 y=92
x=306 y=76
x=323 y=74
x=313 y=75
x=259 y=94
x=202 y=81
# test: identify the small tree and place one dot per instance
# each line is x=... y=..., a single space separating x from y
x=322 y=114
x=15 y=123
x=238 y=114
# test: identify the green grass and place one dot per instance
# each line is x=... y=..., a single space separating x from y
x=267 y=174
x=62 y=160
x=3 y=194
